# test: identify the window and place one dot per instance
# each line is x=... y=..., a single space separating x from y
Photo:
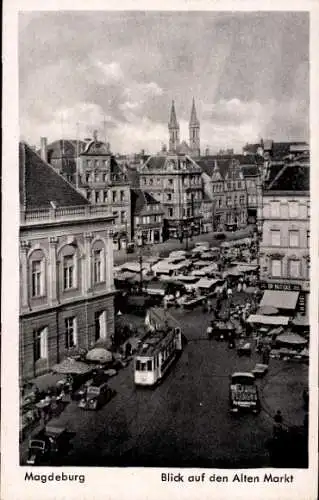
x=89 y=195
x=113 y=196
x=294 y=238
x=229 y=186
x=219 y=202
x=293 y=210
x=188 y=212
x=276 y=268
x=104 y=177
x=239 y=184
x=242 y=200
x=308 y=239
x=170 y=212
x=97 y=197
x=228 y=201
x=308 y=208
x=70 y=332
x=275 y=209
x=40 y=343
x=275 y=238
x=144 y=180
x=294 y=268
x=104 y=196
x=170 y=182
x=68 y=272
x=308 y=269
x=122 y=197
x=97 y=266
x=169 y=197
x=100 y=325
x=37 y=278
x=123 y=217
x=151 y=182
x=235 y=200
x=87 y=177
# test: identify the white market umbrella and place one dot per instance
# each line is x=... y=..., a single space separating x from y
x=99 y=355
x=72 y=367
x=291 y=338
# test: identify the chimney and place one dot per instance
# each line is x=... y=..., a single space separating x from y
x=44 y=148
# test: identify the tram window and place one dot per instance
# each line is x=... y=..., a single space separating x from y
x=149 y=365
x=143 y=367
x=137 y=365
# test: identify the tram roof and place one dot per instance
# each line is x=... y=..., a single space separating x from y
x=153 y=342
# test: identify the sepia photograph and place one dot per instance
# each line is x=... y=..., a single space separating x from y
x=164 y=244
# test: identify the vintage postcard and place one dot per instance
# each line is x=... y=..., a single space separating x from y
x=160 y=255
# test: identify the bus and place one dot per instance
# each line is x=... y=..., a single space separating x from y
x=157 y=352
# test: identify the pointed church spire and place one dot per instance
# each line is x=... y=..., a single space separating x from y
x=173 y=120
x=193 y=121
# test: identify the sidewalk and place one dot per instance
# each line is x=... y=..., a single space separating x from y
x=282 y=390
x=120 y=256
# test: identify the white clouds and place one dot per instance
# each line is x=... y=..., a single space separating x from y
x=110 y=71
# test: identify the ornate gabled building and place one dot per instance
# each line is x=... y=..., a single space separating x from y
x=66 y=268
x=174 y=180
x=103 y=181
x=224 y=183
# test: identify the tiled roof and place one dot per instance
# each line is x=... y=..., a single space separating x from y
x=66 y=148
x=40 y=184
x=140 y=199
x=292 y=177
x=250 y=170
x=133 y=176
x=156 y=162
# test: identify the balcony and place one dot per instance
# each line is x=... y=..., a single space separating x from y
x=64 y=214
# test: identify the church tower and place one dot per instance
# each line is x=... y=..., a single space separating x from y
x=173 y=130
x=194 y=132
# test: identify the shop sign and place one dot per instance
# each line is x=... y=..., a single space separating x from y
x=286 y=287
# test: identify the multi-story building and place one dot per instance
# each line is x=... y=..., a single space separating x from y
x=147 y=218
x=224 y=183
x=285 y=243
x=62 y=155
x=174 y=180
x=66 y=268
x=104 y=182
x=253 y=175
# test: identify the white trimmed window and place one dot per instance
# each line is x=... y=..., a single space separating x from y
x=294 y=268
x=40 y=343
x=276 y=268
x=294 y=238
x=308 y=239
x=275 y=209
x=98 y=262
x=68 y=272
x=100 y=325
x=37 y=270
x=293 y=210
x=70 y=332
x=275 y=237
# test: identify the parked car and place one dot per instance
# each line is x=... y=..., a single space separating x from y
x=243 y=393
x=96 y=396
x=260 y=370
x=48 y=445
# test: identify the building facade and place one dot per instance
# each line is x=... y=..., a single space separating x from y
x=104 y=182
x=193 y=146
x=224 y=183
x=285 y=243
x=62 y=155
x=174 y=180
x=147 y=218
x=66 y=268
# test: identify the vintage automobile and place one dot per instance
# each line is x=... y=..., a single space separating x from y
x=48 y=445
x=244 y=348
x=97 y=394
x=243 y=393
x=260 y=370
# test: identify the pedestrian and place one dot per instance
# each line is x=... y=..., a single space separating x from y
x=239 y=287
x=266 y=355
x=278 y=421
x=229 y=292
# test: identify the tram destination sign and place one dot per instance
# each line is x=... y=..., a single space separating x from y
x=285 y=287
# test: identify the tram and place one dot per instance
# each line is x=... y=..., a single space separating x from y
x=156 y=354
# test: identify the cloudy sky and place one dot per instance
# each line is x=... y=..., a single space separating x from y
x=117 y=72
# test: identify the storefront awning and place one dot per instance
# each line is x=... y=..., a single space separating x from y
x=268 y=320
x=279 y=299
